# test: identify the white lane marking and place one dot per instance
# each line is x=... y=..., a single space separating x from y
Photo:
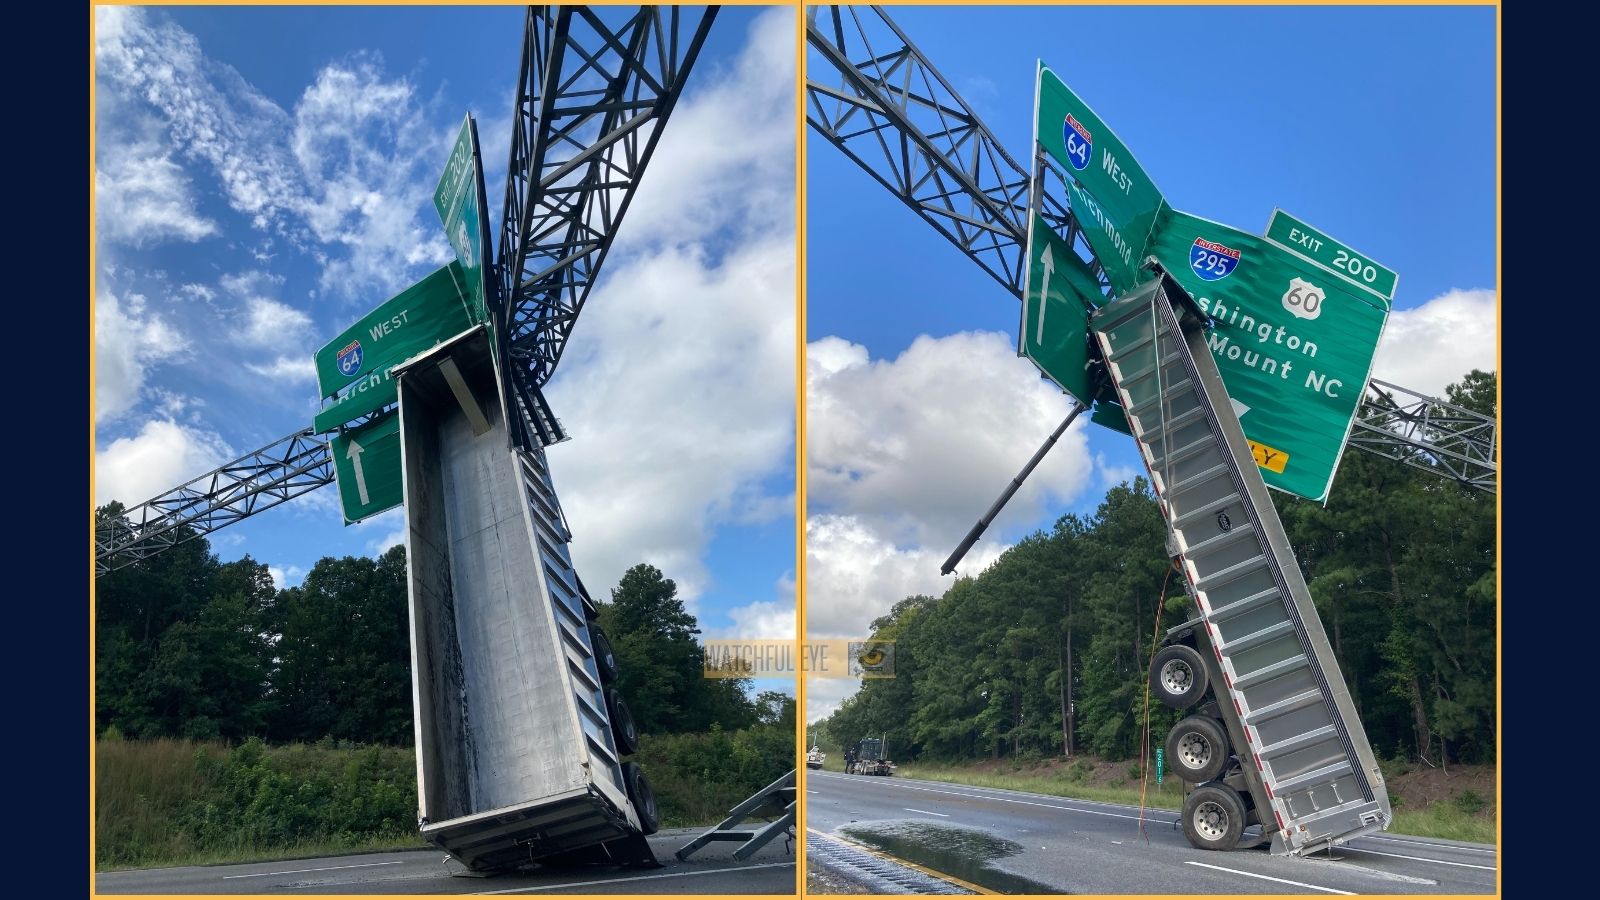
x=392 y=862
x=1090 y=812
x=972 y=796
x=925 y=812
x=1325 y=890
x=1373 y=837
x=1151 y=818
x=1442 y=862
x=906 y=784
x=810 y=791
x=556 y=887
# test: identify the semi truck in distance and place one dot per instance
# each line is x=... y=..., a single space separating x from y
x=1272 y=737
x=868 y=757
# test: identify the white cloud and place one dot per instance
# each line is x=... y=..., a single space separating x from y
x=347 y=176
x=904 y=455
x=142 y=197
x=200 y=102
x=823 y=695
x=854 y=574
x=128 y=340
x=1431 y=346
x=270 y=324
x=764 y=619
x=193 y=291
x=919 y=446
x=163 y=454
x=678 y=385
x=728 y=150
x=367 y=190
x=172 y=405
x=390 y=527
x=1113 y=474
x=254 y=282
x=286 y=576
x=293 y=369
x=679 y=393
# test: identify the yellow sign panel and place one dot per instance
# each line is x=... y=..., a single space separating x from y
x=1269 y=458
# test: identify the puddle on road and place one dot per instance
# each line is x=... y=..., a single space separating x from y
x=966 y=853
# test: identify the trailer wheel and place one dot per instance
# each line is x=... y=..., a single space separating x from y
x=1178 y=676
x=1197 y=749
x=1213 y=817
x=605 y=658
x=643 y=798
x=622 y=727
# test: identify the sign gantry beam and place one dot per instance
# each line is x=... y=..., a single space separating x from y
x=872 y=94
x=592 y=98
x=1428 y=433
x=261 y=479
x=884 y=105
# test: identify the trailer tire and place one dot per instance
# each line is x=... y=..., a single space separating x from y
x=622 y=726
x=1213 y=817
x=1197 y=749
x=642 y=797
x=605 y=657
x=1178 y=676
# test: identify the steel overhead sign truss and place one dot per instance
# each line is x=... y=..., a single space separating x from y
x=591 y=99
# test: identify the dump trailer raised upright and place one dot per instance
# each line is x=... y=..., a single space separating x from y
x=1274 y=738
x=519 y=740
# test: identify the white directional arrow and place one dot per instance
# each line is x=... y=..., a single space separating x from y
x=1239 y=409
x=1044 y=293
x=354 y=455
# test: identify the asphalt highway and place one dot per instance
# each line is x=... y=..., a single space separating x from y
x=1017 y=842
x=711 y=870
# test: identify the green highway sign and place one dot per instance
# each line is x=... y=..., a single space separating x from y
x=1294 y=344
x=1111 y=194
x=458 y=198
x=366 y=465
x=355 y=365
x=1056 y=299
x=1290 y=233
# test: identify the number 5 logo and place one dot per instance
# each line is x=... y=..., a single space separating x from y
x=1303 y=300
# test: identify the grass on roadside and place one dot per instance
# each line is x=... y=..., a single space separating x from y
x=176 y=802
x=1168 y=795
x=1443 y=820
x=242 y=853
x=1449 y=820
x=169 y=802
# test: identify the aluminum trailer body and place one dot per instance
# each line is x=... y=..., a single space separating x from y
x=516 y=759
x=1293 y=746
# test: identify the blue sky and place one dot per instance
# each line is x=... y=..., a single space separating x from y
x=1377 y=125
x=264 y=177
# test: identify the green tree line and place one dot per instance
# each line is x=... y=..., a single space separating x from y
x=188 y=646
x=1045 y=652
